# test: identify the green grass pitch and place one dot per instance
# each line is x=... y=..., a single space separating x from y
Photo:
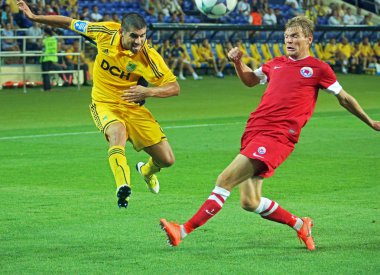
x=58 y=205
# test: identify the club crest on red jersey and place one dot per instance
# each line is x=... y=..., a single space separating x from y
x=306 y=72
x=261 y=150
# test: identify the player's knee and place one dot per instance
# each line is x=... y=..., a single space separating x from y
x=168 y=160
x=224 y=180
x=250 y=203
x=116 y=134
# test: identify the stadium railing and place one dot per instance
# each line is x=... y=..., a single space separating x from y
x=23 y=53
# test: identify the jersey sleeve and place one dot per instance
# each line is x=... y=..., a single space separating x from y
x=263 y=73
x=328 y=80
x=162 y=75
x=93 y=30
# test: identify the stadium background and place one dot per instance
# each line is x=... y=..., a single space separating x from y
x=59 y=213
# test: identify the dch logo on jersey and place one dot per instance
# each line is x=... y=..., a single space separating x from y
x=80 y=26
x=262 y=150
x=306 y=72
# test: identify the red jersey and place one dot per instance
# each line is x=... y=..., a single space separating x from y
x=289 y=100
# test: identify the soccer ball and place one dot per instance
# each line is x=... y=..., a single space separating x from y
x=216 y=8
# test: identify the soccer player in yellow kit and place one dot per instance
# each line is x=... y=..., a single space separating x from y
x=123 y=63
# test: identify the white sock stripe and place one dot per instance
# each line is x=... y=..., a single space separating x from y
x=221 y=191
x=215 y=198
x=275 y=206
x=264 y=204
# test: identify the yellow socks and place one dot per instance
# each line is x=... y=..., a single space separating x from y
x=150 y=168
x=119 y=166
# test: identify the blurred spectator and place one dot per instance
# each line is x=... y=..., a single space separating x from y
x=366 y=52
x=269 y=18
x=8 y=43
x=293 y=3
x=341 y=9
x=355 y=61
x=367 y=20
x=376 y=50
x=321 y=9
x=49 y=10
x=349 y=18
x=279 y=17
x=294 y=10
x=377 y=7
x=151 y=7
x=344 y=54
x=6 y=15
x=115 y=18
x=244 y=8
x=55 y=7
x=168 y=7
x=85 y=14
x=34 y=44
x=95 y=15
x=178 y=53
x=359 y=16
x=206 y=55
x=255 y=17
x=311 y=14
x=61 y=65
x=334 y=19
x=330 y=51
x=106 y=17
x=74 y=60
x=246 y=58
x=49 y=58
x=166 y=52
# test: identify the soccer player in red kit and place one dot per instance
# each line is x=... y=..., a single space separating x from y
x=273 y=130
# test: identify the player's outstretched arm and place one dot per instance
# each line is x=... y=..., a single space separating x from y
x=244 y=72
x=350 y=103
x=51 y=20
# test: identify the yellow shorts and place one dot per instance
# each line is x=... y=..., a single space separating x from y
x=142 y=129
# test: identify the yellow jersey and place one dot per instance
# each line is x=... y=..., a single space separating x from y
x=376 y=49
x=117 y=69
x=365 y=50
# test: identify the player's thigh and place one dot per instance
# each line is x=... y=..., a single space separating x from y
x=143 y=130
x=250 y=193
x=238 y=171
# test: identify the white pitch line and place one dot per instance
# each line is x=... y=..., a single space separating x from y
x=167 y=127
x=95 y=132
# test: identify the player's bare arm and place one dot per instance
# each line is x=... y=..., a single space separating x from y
x=350 y=103
x=52 y=20
x=138 y=93
x=244 y=72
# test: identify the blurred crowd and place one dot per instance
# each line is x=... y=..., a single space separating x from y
x=350 y=55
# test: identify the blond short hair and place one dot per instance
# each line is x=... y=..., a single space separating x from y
x=306 y=25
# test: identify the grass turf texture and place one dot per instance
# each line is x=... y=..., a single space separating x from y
x=58 y=204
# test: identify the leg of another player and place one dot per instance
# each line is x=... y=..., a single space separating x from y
x=239 y=170
x=252 y=201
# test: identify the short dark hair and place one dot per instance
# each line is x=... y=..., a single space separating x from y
x=132 y=20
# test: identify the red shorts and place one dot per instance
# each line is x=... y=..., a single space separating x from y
x=266 y=146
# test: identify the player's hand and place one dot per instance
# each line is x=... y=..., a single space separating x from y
x=376 y=125
x=25 y=9
x=135 y=93
x=235 y=54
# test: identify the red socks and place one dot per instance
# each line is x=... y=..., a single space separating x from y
x=270 y=210
x=210 y=207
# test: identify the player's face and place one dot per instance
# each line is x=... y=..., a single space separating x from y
x=297 y=44
x=133 y=40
